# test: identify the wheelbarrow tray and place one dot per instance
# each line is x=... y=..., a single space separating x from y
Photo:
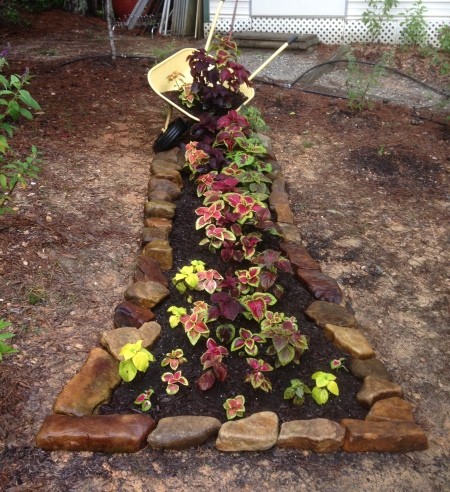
x=158 y=78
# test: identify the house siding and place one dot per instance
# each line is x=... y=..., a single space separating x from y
x=331 y=30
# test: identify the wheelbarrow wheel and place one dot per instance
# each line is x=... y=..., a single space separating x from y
x=171 y=136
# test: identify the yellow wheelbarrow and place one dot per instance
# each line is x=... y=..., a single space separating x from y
x=161 y=82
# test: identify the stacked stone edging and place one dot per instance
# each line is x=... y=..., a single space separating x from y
x=74 y=425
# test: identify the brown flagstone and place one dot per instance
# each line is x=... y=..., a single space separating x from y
x=320 y=285
x=255 y=433
x=98 y=433
x=319 y=435
x=148 y=269
x=392 y=409
x=374 y=389
x=350 y=340
x=323 y=313
x=159 y=208
x=364 y=435
x=128 y=313
x=171 y=175
x=161 y=251
x=298 y=255
x=114 y=340
x=184 y=431
x=290 y=232
x=369 y=367
x=146 y=294
x=91 y=386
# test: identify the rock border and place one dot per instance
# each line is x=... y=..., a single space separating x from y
x=75 y=426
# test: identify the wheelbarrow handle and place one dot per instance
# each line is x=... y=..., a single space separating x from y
x=291 y=40
x=213 y=25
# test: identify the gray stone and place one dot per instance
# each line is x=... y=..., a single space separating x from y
x=183 y=432
x=97 y=433
x=375 y=389
x=328 y=313
x=159 y=195
x=146 y=294
x=159 y=208
x=398 y=437
x=369 y=367
x=350 y=340
x=391 y=409
x=91 y=386
x=114 y=340
x=319 y=435
x=266 y=142
x=276 y=169
x=255 y=433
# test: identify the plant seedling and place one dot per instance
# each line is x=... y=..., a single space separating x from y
x=173 y=380
x=256 y=376
x=337 y=364
x=235 y=407
x=136 y=358
x=296 y=392
x=174 y=359
x=144 y=400
x=325 y=384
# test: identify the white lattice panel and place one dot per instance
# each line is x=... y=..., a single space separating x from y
x=328 y=30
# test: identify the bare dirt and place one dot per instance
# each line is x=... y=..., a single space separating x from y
x=370 y=195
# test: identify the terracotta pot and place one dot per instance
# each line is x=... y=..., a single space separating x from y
x=123 y=8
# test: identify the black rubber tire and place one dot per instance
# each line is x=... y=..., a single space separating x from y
x=171 y=136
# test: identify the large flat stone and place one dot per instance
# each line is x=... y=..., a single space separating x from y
x=391 y=409
x=128 y=313
x=375 y=389
x=173 y=155
x=160 y=222
x=363 y=435
x=320 y=285
x=319 y=435
x=91 y=386
x=255 y=433
x=183 y=432
x=98 y=433
x=146 y=294
x=171 y=175
x=161 y=165
x=298 y=255
x=151 y=233
x=324 y=313
x=114 y=340
x=350 y=340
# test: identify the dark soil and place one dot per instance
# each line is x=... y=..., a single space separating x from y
x=191 y=400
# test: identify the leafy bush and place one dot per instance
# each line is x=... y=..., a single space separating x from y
x=5 y=349
x=377 y=13
x=444 y=38
x=15 y=102
x=10 y=10
x=414 y=25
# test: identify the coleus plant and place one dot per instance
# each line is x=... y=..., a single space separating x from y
x=174 y=359
x=235 y=407
x=217 y=76
x=173 y=380
x=296 y=392
x=212 y=362
x=288 y=344
x=144 y=400
x=194 y=323
x=247 y=341
x=256 y=376
x=135 y=358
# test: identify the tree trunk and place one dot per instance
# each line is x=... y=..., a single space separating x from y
x=109 y=18
x=76 y=6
